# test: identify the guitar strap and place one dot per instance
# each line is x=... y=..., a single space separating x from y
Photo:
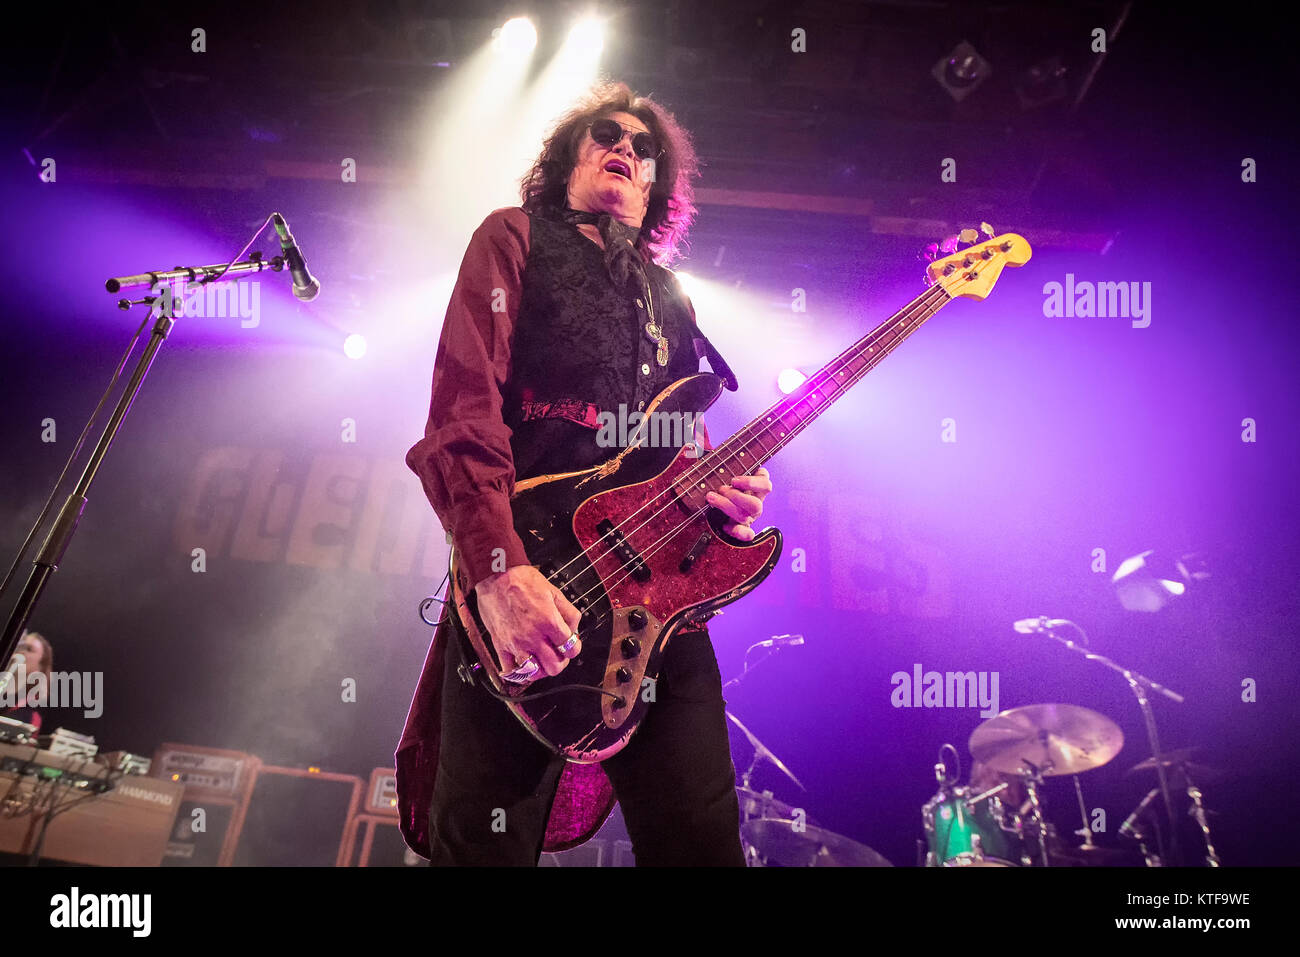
x=704 y=349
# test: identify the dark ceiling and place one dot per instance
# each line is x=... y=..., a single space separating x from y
x=855 y=125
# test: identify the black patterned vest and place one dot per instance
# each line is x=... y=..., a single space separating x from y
x=578 y=343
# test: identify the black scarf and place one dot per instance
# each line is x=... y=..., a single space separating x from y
x=622 y=260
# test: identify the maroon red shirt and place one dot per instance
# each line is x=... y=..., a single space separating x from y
x=535 y=343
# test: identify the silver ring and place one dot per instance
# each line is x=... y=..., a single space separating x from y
x=565 y=648
x=523 y=671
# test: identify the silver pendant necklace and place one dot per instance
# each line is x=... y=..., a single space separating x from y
x=653 y=329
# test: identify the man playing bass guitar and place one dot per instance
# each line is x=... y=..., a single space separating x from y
x=562 y=313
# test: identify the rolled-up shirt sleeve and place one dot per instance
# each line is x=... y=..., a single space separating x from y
x=464 y=460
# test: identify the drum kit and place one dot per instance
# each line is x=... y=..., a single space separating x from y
x=772 y=832
x=1002 y=824
x=776 y=834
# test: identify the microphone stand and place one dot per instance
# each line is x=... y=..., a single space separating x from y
x=60 y=535
x=770 y=646
x=1140 y=685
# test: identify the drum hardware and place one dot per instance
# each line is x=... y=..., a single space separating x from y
x=1198 y=812
x=1141 y=686
x=1180 y=764
x=761 y=753
x=774 y=833
x=966 y=830
x=991 y=792
x=784 y=843
x=1179 y=768
x=757 y=806
x=1031 y=782
x=1086 y=832
x=1034 y=742
x=1134 y=831
x=1092 y=855
x=1025 y=746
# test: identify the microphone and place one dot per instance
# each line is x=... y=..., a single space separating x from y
x=1030 y=626
x=305 y=286
x=780 y=641
x=1126 y=829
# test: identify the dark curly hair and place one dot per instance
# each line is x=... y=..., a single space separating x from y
x=668 y=218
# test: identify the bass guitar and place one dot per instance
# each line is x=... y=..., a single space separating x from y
x=634 y=545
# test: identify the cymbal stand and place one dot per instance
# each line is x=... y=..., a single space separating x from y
x=1198 y=812
x=1086 y=833
x=1140 y=685
x=1031 y=780
x=1152 y=859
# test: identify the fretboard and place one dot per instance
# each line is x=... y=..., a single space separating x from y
x=751 y=446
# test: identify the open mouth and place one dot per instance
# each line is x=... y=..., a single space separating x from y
x=619 y=167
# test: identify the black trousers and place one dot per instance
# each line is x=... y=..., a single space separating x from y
x=674 y=779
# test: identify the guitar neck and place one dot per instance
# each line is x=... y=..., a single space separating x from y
x=755 y=443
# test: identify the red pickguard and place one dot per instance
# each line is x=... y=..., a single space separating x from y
x=720 y=569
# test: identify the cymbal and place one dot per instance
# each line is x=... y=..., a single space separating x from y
x=778 y=842
x=1055 y=738
x=1181 y=767
x=1168 y=759
x=1093 y=855
x=759 y=805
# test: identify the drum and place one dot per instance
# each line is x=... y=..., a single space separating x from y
x=964 y=835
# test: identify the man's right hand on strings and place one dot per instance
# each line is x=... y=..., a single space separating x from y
x=526 y=615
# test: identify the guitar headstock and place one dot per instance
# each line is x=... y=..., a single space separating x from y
x=974 y=271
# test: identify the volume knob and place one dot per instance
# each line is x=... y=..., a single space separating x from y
x=631 y=647
x=637 y=619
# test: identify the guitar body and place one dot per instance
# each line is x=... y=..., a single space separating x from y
x=634 y=548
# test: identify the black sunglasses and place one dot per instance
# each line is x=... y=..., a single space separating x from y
x=609 y=133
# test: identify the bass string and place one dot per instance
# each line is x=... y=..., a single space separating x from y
x=927 y=310
x=664 y=539
x=659 y=544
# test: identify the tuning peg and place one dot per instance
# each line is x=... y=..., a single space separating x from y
x=931 y=252
x=948 y=246
x=987 y=230
x=968 y=236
